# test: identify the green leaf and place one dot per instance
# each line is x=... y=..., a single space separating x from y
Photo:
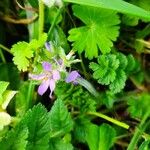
x=3 y=86
x=81 y=127
x=132 y=20
x=132 y=64
x=76 y=96
x=60 y=119
x=105 y=71
x=42 y=40
x=123 y=61
x=24 y=98
x=100 y=138
x=118 y=84
x=112 y=70
x=139 y=104
x=100 y=31
x=145 y=145
x=16 y=139
x=117 y=5
x=59 y=144
x=34 y=3
x=108 y=98
x=60 y=38
x=22 y=53
x=7 y=96
x=14 y=79
x=50 y=15
x=37 y=122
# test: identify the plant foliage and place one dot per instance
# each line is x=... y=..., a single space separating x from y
x=111 y=70
x=100 y=31
x=75 y=74
x=60 y=119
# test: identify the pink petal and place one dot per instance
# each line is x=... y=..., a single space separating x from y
x=43 y=87
x=56 y=75
x=73 y=75
x=47 y=66
x=52 y=87
x=37 y=77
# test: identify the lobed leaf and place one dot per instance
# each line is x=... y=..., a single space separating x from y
x=105 y=71
x=139 y=104
x=118 y=84
x=22 y=53
x=100 y=31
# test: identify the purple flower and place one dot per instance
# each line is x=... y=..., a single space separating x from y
x=48 y=78
x=48 y=46
x=73 y=75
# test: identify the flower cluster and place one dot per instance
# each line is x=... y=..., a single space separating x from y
x=50 y=75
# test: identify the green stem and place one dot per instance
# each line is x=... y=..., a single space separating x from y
x=138 y=132
x=2 y=56
x=41 y=18
x=5 y=49
x=114 y=121
x=30 y=94
x=83 y=67
x=54 y=22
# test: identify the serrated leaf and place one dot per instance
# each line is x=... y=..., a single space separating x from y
x=100 y=31
x=22 y=53
x=117 y=5
x=100 y=138
x=60 y=119
x=139 y=104
x=131 y=63
x=37 y=122
x=105 y=71
x=111 y=71
x=16 y=139
x=108 y=99
x=118 y=84
x=123 y=61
